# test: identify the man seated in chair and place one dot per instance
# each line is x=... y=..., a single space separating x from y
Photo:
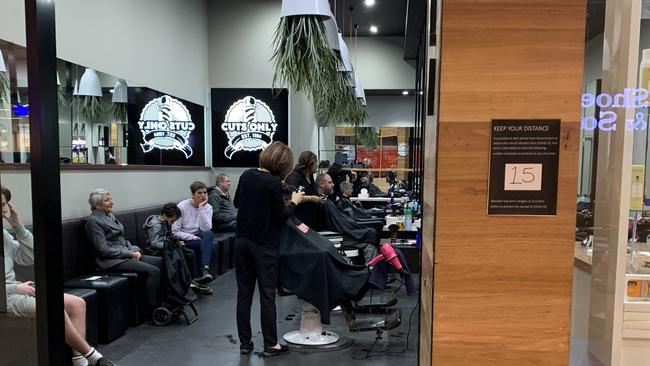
x=194 y=227
x=224 y=213
x=325 y=186
x=21 y=300
x=114 y=252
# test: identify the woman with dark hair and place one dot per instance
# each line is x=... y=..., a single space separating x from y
x=302 y=179
x=261 y=213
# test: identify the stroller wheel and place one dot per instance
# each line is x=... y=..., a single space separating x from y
x=161 y=316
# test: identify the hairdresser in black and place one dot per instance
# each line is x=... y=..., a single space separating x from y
x=261 y=213
x=302 y=179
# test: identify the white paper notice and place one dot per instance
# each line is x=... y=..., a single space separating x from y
x=523 y=177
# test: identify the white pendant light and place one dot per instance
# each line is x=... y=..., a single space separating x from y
x=75 y=91
x=89 y=84
x=345 y=55
x=332 y=33
x=3 y=68
x=306 y=7
x=58 y=81
x=120 y=92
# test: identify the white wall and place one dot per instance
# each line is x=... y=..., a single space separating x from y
x=391 y=111
x=129 y=189
x=379 y=63
x=157 y=43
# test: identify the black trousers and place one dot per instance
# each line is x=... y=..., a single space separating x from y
x=148 y=265
x=256 y=262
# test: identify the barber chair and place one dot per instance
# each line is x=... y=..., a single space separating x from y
x=345 y=249
x=311 y=331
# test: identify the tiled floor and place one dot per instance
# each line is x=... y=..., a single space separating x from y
x=212 y=340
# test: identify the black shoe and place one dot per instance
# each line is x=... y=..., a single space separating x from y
x=245 y=349
x=270 y=351
x=201 y=289
x=105 y=362
x=205 y=275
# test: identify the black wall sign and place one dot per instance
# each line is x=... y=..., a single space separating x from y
x=164 y=130
x=524 y=167
x=244 y=121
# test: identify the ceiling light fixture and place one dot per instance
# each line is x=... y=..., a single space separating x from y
x=369 y=2
x=405 y=92
x=120 y=94
x=3 y=68
x=374 y=29
x=89 y=84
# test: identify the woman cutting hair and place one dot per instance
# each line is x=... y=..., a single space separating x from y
x=259 y=220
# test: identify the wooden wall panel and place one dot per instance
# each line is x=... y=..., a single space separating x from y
x=502 y=285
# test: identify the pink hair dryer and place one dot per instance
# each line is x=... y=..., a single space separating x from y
x=387 y=253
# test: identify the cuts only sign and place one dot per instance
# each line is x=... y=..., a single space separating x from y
x=524 y=158
x=164 y=130
x=245 y=122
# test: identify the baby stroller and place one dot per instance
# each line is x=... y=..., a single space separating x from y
x=175 y=287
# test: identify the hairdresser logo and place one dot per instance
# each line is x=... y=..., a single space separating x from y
x=166 y=124
x=249 y=126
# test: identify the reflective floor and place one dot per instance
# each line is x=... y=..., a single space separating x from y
x=212 y=340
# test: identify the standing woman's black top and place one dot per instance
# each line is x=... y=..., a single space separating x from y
x=261 y=208
x=308 y=212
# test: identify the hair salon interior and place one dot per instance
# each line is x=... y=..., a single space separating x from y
x=467 y=182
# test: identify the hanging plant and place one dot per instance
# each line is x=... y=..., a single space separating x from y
x=4 y=86
x=90 y=108
x=119 y=111
x=60 y=94
x=342 y=107
x=367 y=136
x=302 y=56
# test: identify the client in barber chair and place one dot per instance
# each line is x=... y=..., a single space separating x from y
x=114 y=252
x=260 y=217
x=346 y=205
x=21 y=296
x=157 y=229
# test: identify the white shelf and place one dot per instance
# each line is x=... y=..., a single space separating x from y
x=633 y=276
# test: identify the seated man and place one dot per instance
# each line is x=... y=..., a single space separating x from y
x=346 y=205
x=157 y=230
x=224 y=213
x=195 y=225
x=346 y=192
x=114 y=252
x=325 y=187
x=21 y=301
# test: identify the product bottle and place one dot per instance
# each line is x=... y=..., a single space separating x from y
x=408 y=218
x=644 y=72
x=391 y=203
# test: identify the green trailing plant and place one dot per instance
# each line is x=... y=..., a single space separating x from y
x=304 y=62
x=60 y=94
x=119 y=111
x=89 y=108
x=4 y=86
x=367 y=136
x=302 y=57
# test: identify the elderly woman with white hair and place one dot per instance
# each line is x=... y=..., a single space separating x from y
x=114 y=252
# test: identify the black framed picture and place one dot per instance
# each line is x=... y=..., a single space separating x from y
x=164 y=130
x=245 y=122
